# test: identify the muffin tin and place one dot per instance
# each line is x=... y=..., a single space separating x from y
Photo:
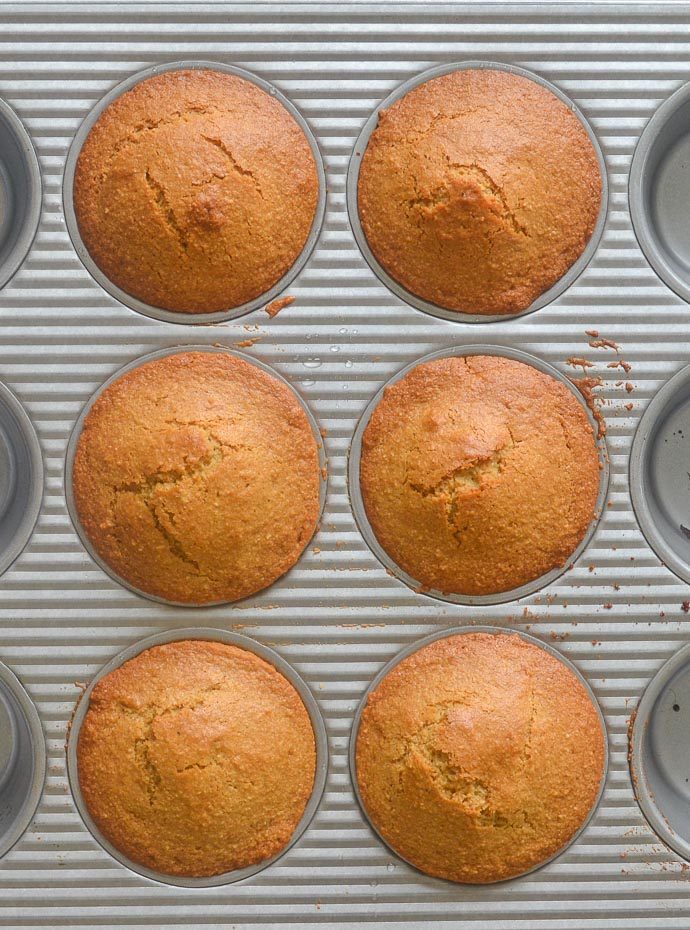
x=20 y=192
x=21 y=478
x=22 y=759
x=339 y=616
x=658 y=753
x=659 y=191
x=659 y=476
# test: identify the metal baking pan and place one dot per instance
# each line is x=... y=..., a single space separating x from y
x=339 y=617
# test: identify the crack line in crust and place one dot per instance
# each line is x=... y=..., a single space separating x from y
x=166 y=211
x=149 y=125
x=463 y=478
x=235 y=165
x=454 y=782
x=490 y=187
x=142 y=744
x=413 y=136
x=145 y=488
x=482 y=178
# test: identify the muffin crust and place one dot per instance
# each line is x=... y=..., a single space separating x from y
x=195 y=191
x=479 y=474
x=196 y=758
x=478 y=190
x=479 y=757
x=196 y=477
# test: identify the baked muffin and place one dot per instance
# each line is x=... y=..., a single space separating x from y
x=479 y=757
x=478 y=190
x=195 y=191
x=196 y=477
x=479 y=474
x=196 y=758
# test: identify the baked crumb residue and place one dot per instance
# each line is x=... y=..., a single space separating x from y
x=620 y=363
x=478 y=190
x=575 y=361
x=196 y=758
x=468 y=762
x=195 y=191
x=604 y=344
x=587 y=387
x=196 y=477
x=479 y=474
x=275 y=306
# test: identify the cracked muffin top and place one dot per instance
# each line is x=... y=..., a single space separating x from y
x=479 y=757
x=478 y=190
x=196 y=477
x=479 y=474
x=196 y=758
x=195 y=191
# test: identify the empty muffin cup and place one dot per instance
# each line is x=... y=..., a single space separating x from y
x=21 y=478
x=460 y=787
x=360 y=511
x=191 y=461
x=208 y=213
x=353 y=180
x=659 y=474
x=659 y=192
x=22 y=759
x=659 y=735
x=20 y=193
x=230 y=639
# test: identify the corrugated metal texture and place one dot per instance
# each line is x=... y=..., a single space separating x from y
x=339 y=616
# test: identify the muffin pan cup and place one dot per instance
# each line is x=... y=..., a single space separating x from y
x=659 y=192
x=21 y=478
x=160 y=313
x=658 y=753
x=22 y=759
x=20 y=193
x=231 y=639
x=659 y=474
x=359 y=510
x=461 y=631
x=76 y=433
x=409 y=297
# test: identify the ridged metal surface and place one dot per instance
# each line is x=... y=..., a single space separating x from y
x=338 y=616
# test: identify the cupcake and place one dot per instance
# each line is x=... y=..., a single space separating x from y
x=479 y=757
x=195 y=191
x=479 y=474
x=196 y=758
x=196 y=477
x=478 y=190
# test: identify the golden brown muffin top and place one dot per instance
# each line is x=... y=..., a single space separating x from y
x=196 y=477
x=479 y=474
x=195 y=191
x=479 y=757
x=196 y=758
x=478 y=190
